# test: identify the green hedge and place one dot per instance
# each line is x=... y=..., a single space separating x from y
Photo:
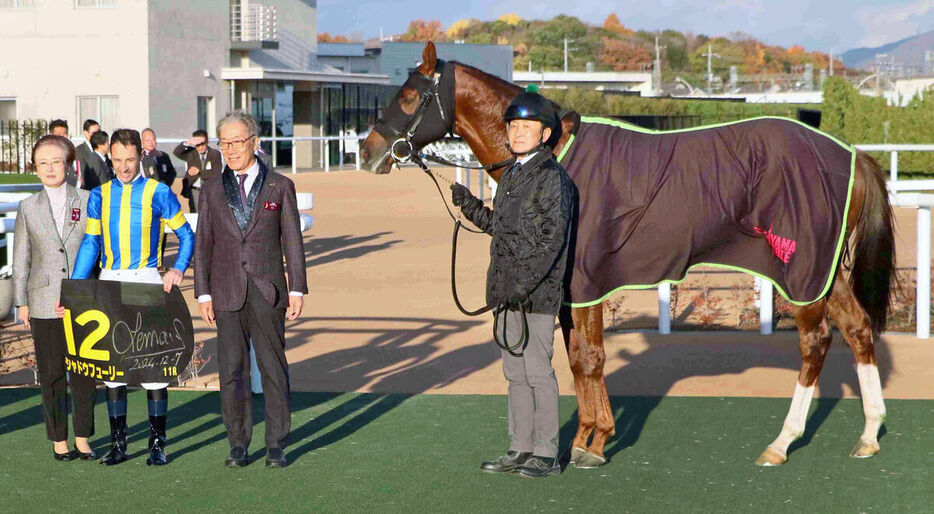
x=589 y=102
x=865 y=119
x=19 y=178
x=845 y=113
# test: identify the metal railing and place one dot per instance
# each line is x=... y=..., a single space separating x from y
x=920 y=201
x=898 y=190
x=16 y=141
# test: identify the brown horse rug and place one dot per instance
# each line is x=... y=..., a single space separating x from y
x=767 y=196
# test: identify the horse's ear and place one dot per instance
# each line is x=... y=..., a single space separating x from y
x=429 y=59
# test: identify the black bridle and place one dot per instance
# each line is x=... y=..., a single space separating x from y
x=406 y=143
x=402 y=149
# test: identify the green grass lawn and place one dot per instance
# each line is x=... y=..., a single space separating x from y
x=397 y=453
x=19 y=178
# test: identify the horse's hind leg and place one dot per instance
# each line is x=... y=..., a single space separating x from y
x=583 y=335
x=855 y=326
x=814 y=340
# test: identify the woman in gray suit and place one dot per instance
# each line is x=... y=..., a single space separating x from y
x=49 y=227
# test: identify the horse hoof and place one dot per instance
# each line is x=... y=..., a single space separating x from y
x=576 y=455
x=771 y=457
x=589 y=461
x=864 y=449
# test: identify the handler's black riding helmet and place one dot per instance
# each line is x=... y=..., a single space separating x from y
x=529 y=105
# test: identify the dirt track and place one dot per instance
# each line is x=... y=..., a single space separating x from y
x=379 y=316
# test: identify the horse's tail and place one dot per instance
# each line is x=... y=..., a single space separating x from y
x=873 y=269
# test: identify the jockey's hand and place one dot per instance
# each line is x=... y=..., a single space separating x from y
x=460 y=195
x=59 y=310
x=173 y=277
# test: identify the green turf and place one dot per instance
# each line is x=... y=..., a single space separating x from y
x=18 y=178
x=396 y=453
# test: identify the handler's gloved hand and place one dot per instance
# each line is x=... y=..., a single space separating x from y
x=460 y=195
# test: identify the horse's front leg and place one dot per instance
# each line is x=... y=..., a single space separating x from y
x=583 y=335
x=814 y=340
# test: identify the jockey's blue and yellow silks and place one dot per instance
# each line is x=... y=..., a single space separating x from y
x=126 y=223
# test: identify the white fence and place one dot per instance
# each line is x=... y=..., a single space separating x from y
x=903 y=193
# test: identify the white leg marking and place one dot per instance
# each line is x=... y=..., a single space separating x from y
x=870 y=387
x=795 y=420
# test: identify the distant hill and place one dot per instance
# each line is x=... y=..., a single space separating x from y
x=611 y=46
x=908 y=51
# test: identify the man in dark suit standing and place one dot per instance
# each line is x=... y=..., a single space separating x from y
x=247 y=220
x=84 y=152
x=203 y=163
x=60 y=128
x=97 y=169
x=156 y=164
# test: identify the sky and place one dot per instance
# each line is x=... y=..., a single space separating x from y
x=824 y=25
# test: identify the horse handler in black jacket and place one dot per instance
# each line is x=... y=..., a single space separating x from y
x=530 y=226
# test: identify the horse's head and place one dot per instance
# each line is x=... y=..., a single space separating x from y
x=422 y=112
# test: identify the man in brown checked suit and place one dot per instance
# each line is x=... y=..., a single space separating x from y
x=247 y=220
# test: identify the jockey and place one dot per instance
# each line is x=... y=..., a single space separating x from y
x=531 y=227
x=126 y=222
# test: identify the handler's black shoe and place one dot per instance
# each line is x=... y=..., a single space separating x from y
x=507 y=463
x=275 y=458
x=238 y=458
x=539 y=467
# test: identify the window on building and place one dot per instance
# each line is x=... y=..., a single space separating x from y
x=100 y=108
x=17 y=4
x=206 y=113
x=7 y=109
x=95 y=3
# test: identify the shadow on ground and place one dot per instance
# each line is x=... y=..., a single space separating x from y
x=638 y=387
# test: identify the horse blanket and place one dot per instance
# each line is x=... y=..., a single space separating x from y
x=767 y=196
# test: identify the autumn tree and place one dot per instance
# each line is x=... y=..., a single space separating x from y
x=458 y=29
x=623 y=55
x=324 y=37
x=612 y=24
x=421 y=30
x=510 y=19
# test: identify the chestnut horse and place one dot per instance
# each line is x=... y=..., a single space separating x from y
x=469 y=102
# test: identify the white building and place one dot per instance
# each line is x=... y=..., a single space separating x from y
x=177 y=66
x=906 y=90
x=599 y=80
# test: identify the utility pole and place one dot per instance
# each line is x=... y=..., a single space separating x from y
x=830 y=72
x=657 y=69
x=710 y=55
x=530 y=65
x=566 y=40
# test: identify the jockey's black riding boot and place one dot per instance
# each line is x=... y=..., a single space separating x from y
x=116 y=410
x=158 y=405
